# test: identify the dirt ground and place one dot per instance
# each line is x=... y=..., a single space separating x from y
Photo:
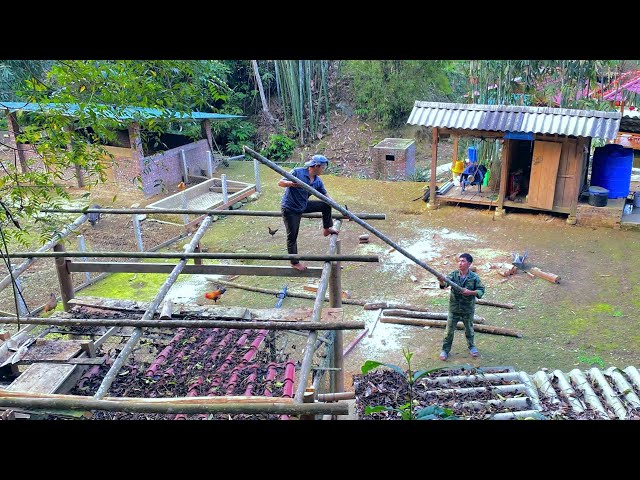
x=587 y=319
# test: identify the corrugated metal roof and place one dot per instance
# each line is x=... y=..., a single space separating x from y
x=110 y=111
x=561 y=121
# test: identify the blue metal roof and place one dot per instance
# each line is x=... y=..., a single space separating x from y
x=111 y=111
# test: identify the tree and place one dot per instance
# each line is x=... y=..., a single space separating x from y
x=64 y=138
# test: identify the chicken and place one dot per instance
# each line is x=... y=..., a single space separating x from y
x=51 y=303
x=216 y=294
x=181 y=186
x=272 y=232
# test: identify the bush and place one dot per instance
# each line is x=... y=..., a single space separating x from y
x=280 y=147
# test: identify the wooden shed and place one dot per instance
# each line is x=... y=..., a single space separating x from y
x=541 y=154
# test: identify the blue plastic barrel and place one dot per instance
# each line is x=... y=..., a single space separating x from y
x=611 y=169
x=473 y=154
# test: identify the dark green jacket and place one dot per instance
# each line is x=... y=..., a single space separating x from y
x=464 y=305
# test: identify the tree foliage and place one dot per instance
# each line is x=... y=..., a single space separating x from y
x=102 y=90
x=385 y=90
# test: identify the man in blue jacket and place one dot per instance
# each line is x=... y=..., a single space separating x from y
x=295 y=202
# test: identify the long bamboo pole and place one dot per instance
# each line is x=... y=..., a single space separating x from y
x=403 y=306
x=443 y=324
x=305 y=366
x=66 y=231
x=177 y=323
x=276 y=406
x=195 y=211
x=201 y=255
x=353 y=217
x=348 y=301
x=431 y=315
x=148 y=315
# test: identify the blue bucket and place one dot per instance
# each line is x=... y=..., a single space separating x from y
x=473 y=154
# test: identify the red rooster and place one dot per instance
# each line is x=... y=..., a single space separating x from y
x=216 y=294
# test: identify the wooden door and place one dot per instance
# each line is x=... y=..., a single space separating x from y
x=544 y=169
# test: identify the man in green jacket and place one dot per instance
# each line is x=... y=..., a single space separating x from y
x=462 y=305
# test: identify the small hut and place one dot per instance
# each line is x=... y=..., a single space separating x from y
x=541 y=154
x=394 y=159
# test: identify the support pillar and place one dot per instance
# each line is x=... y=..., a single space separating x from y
x=64 y=277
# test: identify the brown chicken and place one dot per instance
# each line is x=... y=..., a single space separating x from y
x=181 y=186
x=51 y=303
x=216 y=294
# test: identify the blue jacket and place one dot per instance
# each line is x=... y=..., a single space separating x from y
x=295 y=198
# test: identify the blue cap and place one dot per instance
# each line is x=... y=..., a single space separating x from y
x=317 y=160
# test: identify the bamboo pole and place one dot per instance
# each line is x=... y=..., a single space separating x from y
x=305 y=367
x=148 y=315
x=443 y=324
x=336 y=378
x=354 y=342
x=196 y=211
x=202 y=255
x=66 y=231
x=353 y=217
x=275 y=292
x=334 y=397
x=177 y=323
x=431 y=315
x=281 y=406
x=378 y=305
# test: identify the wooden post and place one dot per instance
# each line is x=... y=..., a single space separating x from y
x=256 y=171
x=138 y=233
x=433 y=203
x=82 y=247
x=209 y=164
x=17 y=291
x=185 y=205
x=454 y=159
x=504 y=178
x=336 y=378
x=206 y=126
x=225 y=194
x=309 y=397
x=185 y=170
x=14 y=131
x=64 y=277
x=197 y=261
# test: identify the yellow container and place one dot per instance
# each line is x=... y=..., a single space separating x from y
x=458 y=168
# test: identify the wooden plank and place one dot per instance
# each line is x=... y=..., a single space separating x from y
x=137 y=267
x=42 y=378
x=544 y=168
x=71 y=361
x=54 y=350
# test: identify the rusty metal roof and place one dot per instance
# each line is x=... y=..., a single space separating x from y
x=512 y=118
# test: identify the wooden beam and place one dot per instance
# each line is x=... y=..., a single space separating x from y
x=177 y=323
x=196 y=254
x=504 y=174
x=196 y=211
x=279 y=406
x=443 y=324
x=71 y=361
x=135 y=267
x=433 y=202
x=472 y=133
x=431 y=315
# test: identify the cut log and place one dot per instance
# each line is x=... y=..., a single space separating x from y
x=443 y=324
x=378 y=305
x=547 y=276
x=431 y=315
